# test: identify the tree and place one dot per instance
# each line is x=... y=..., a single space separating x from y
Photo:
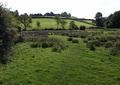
x=6 y=33
x=99 y=19
x=38 y=24
x=72 y=25
x=58 y=20
x=113 y=21
x=25 y=20
x=63 y=23
x=98 y=15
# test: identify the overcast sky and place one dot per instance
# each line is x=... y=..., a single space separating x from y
x=78 y=8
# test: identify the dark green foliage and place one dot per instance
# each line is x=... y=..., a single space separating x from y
x=75 y=41
x=99 y=19
x=1 y=82
x=45 y=44
x=103 y=39
x=70 y=39
x=82 y=27
x=35 y=45
x=59 y=48
x=73 y=26
x=83 y=36
x=38 y=24
x=108 y=44
x=95 y=43
x=63 y=23
x=113 y=21
x=25 y=20
x=19 y=39
x=92 y=48
x=56 y=49
x=116 y=49
x=6 y=34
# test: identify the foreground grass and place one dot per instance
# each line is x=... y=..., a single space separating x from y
x=76 y=65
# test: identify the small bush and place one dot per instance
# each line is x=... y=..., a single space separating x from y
x=95 y=43
x=108 y=44
x=85 y=41
x=56 y=49
x=116 y=49
x=103 y=39
x=75 y=41
x=83 y=36
x=1 y=82
x=70 y=39
x=45 y=45
x=92 y=48
x=35 y=45
x=82 y=27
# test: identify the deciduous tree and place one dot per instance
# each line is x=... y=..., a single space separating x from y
x=25 y=20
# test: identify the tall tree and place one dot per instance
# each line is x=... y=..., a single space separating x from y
x=63 y=23
x=99 y=19
x=72 y=25
x=58 y=20
x=25 y=20
x=113 y=21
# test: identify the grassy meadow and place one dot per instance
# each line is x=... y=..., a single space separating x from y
x=51 y=23
x=63 y=61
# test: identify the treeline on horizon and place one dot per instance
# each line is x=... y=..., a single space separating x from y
x=51 y=14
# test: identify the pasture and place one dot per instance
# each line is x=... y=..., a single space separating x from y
x=55 y=58
x=51 y=23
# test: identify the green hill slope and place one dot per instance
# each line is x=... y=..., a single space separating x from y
x=50 y=23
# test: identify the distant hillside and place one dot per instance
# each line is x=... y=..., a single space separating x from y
x=49 y=22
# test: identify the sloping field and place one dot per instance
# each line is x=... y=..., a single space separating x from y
x=51 y=23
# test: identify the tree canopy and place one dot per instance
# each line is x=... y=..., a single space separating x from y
x=7 y=21
x=113 y=21
x=25 y=20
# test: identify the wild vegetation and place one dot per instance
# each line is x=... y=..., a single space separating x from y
x=58 y=51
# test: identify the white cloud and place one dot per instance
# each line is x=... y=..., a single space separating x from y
x=79 y=8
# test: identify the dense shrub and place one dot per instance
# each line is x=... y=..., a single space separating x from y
x=19 y=39
x=85 y=41
x=45 y=44
x=95 y=43
x=103 y=39
x=83 y=36
x=35 y=45
x=82 y=27
x=56 y=49
x=75 y=41
x=92 y=48
x=70 y=39
x=116 y=49
x=108 y=44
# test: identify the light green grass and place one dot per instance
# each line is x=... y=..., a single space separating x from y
x=76 y=65
x=51 y=23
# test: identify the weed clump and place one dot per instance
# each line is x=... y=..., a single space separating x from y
x=35 y=45
x=70 y=39
x=75 y=41
x=116 y=49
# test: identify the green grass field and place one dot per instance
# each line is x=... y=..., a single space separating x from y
x=51 y=23
x=76 y=65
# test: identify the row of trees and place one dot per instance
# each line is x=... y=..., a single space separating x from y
x=63 y=14
x=112 y=21
x=62 y=23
